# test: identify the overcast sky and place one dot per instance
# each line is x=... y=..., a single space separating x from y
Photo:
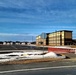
x=22 y=20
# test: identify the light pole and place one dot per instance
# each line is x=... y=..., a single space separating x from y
x=32 y=43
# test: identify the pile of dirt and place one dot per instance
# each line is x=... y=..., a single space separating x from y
x=73 y=46
x=32 y=61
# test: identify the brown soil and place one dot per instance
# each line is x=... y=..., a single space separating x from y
x=32 y=61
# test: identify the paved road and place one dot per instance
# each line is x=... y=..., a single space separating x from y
x=62 y=67
x=66 y=70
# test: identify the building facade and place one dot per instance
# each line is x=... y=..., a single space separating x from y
x=57 y=38
x=41 y=39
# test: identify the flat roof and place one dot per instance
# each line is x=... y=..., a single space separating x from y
x=61 y=31
x=65 y=30
x=57 y=31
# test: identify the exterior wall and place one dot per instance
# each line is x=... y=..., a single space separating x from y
x=60 y=38
x=40 y=41
x=68 y=35
x=68 y=38
x=54 y=39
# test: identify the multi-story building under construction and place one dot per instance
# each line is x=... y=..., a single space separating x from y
x=57 y=38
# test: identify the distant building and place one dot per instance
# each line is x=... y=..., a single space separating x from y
x=23 y=43
x=13 y=43
x=7 y=43
x=57 y=38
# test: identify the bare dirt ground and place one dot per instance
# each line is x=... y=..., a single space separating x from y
x=31 y=61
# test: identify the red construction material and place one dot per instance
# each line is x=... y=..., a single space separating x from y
x=60 y=50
